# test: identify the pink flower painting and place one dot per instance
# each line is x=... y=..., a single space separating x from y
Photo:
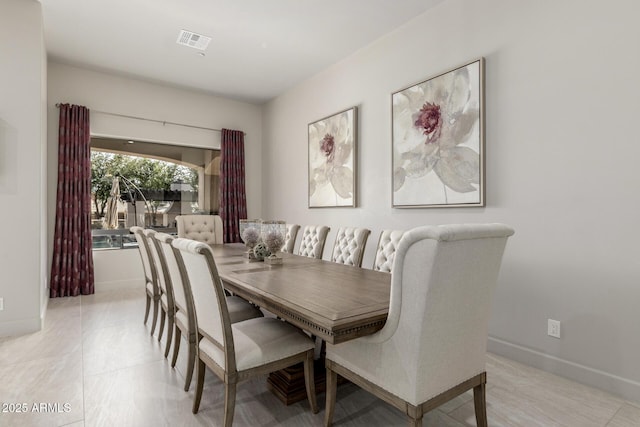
x=438 y=141
x=331 y=160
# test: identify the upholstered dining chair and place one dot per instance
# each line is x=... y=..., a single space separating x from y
x=386 y=250
x=167 y=307
x=167 y=294
x=349 y=246
x=238 y=351
x=150 y=276
x=433 y=345
x=202 y=228
x=290 y=238
x=313 y=239
x=185 y=322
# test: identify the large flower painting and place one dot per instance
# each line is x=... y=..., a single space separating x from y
x=438 y=140
x=332 y=146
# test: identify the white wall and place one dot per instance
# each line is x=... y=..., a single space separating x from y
x=23 y=274
x=121 y=95
x=562 y=150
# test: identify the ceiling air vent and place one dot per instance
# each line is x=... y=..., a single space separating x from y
x=191 y=39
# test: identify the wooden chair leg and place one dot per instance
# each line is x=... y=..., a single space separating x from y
x=480 y=405
x=199 y=386
x=155 y=315
x=147 y=309
x=229 y=403
x=332 y=386
x=309 y=382
x=170 y=328
x=163 y=316
x=415 y=422
x=191 y=356
x=176 y=347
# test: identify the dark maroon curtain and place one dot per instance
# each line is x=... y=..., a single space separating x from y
x=72 y=267
x=233 y=199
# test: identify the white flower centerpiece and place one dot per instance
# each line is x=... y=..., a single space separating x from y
x=250 y=234
x=273 y=236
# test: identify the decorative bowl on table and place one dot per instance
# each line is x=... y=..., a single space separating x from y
x=273 y=235
x=250 y=235
x=260 y=251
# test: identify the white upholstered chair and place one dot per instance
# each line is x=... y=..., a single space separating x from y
x=349 y=246
x=386 y=250
x=433 y=345
x=202 y=228
x=185 y=320
x=290 y=238
x=150 y=276
x=313 y=239
x=167 y=306
x=238 y=351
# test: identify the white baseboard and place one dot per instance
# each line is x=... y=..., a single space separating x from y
x=20 y=327
x=119 y=284
x=622 y=387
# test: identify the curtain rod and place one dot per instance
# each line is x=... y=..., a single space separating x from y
x=164 y=122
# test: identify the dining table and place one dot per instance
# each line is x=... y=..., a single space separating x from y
x=331 y=301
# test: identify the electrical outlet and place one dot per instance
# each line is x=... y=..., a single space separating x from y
x=1 y=304
x=553 y=328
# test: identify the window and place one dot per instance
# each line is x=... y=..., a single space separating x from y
x=148 y=184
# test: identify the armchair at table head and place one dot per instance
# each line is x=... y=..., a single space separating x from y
x=313 y=239
x=349 y=246
x=202 y=228
x=433 y=344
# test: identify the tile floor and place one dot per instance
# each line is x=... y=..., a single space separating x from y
x=95 y=364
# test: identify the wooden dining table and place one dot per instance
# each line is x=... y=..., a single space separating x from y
x=332 y=301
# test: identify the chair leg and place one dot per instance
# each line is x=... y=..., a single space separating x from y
x=199 y=386
x=309 y=382
x=191 y=356
x=176 y=347
x=155 y=315
x=147 y=309
x=170 y=328
x=415 y=422
x=163 y=315
x=229 y=403
x=480 y=404
x=332 y=386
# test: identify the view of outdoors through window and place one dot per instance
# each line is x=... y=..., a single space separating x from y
x=148 y=185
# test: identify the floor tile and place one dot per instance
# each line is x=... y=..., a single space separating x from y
x=96 y=354
x=119 y=346
x=627 y=416
x=60 y=335
x=49 y=389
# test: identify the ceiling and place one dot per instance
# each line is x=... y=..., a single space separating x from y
x=259 y=48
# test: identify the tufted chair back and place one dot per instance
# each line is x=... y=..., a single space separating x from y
x=386 y=251
x=290 y=238
x=202 y=228
x=349 y=246
x=313 y=238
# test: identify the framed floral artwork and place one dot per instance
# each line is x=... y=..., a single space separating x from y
x=332 y=160
x=438 y=140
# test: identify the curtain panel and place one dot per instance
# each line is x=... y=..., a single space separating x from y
x=72 y=266
x=233 y=199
